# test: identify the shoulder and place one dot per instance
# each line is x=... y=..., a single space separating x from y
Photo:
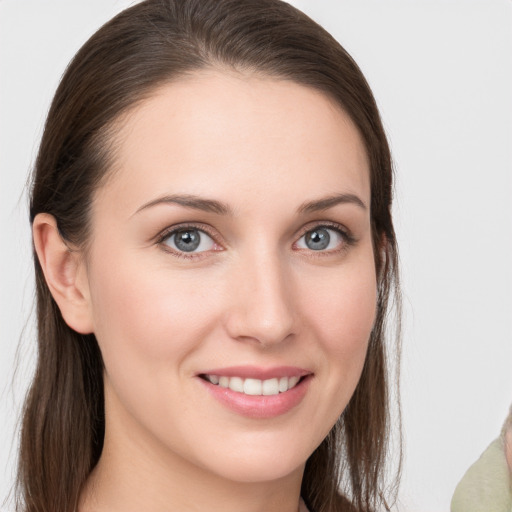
x=486 y=484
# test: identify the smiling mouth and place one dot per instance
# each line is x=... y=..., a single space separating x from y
x=254 y=387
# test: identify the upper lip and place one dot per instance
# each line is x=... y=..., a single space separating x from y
x=257 y=372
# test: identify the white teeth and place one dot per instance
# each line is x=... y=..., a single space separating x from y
x=254 y=387
x=293 y=382
x=236 y=384
x=270 y=387
x=283 y=384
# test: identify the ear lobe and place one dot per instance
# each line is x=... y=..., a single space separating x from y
x=64 y=272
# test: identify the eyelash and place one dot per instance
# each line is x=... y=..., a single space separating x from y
x=348 y=239
x=167 y=233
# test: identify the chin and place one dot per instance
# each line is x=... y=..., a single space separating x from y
x=259 y=471
x=256 y=459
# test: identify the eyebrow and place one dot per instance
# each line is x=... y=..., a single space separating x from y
x=213 y=206
x=190 y=201
x=329 y=202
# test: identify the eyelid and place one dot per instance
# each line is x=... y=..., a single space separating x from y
x=345 y=233
x=310 y=226
x=164 y=234
x=170 y=230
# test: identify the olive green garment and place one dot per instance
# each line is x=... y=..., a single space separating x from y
x=486 y=485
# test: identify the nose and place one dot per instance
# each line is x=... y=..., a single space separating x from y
x=261 y=301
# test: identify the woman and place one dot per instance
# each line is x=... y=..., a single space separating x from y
x=214 y=258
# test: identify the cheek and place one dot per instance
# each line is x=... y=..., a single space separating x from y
x=145 y=313
x=342 y=315
x=147 y=324
x=343 y=310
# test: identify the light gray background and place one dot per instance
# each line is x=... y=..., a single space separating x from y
x=442 y=74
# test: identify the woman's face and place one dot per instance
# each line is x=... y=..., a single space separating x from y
x=231 y=246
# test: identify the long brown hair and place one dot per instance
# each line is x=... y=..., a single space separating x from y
x=151 y=43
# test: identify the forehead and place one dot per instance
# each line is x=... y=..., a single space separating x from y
x=214 y=133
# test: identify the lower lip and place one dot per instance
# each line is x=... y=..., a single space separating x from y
x=259 y=406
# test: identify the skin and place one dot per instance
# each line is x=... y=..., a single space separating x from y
x=256 y=295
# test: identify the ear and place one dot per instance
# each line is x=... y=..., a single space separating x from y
x=65 y=273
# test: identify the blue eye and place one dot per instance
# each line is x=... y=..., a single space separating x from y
x=321 y=238
x=189 y=240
